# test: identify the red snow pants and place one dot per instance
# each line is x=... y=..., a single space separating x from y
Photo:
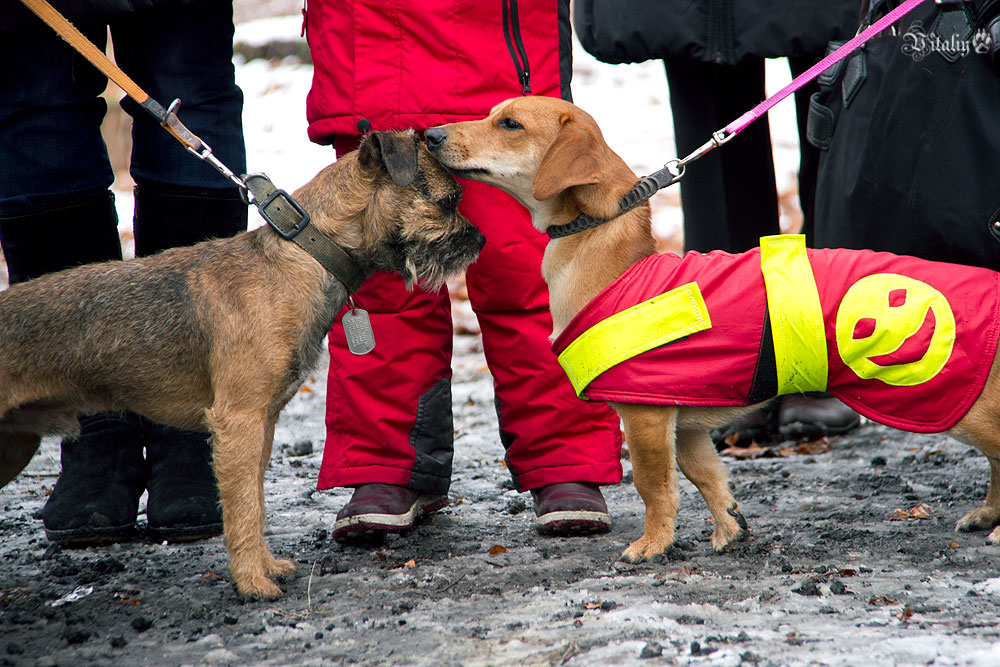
x=389 y=417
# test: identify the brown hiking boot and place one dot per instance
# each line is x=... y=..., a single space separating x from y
x=377 y=509
x=571 y=508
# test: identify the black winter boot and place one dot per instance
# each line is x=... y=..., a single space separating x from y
x=183 y=500
x=170 y=216
x=96 y=498
x=77 y=233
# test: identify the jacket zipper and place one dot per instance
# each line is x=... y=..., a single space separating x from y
x=512 y=33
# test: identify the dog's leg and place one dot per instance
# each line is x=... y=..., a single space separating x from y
x=239 y=444
x=701 y=464
x=276 y=568
x=16 y=450
x=650 y=435
x=987 y=516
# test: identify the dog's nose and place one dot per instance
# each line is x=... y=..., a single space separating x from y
x=435 y=136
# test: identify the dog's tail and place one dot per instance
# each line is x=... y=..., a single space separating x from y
x=16 y=450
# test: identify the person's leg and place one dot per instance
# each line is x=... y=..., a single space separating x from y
x=55 y=207
x=56 y=212
x=729 y=197
x=182 y=51
x=389 y=413
x=815 y=414
x=558 y=447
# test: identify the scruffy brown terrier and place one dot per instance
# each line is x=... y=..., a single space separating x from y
x=219 y=336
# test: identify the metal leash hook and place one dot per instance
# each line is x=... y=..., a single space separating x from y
x=194 y=145
x=719 y=137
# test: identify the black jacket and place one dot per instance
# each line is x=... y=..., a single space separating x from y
x=719 y=31
x=15 y=16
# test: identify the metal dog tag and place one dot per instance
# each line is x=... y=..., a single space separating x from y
x=358 y=330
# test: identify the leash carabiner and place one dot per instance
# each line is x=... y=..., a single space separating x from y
x=197 y=147
x=719 y=138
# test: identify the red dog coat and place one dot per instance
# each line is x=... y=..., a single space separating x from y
x=908 y=342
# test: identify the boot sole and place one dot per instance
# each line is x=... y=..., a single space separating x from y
x=90 y=537
x=571 y=522
x=361 y=527
x=185 y=533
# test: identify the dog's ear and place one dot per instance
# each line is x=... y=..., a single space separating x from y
x=395 y=152
x=573 y=158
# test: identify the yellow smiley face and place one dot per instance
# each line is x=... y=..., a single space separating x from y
x=883 y=311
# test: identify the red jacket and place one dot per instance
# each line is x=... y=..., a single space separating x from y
x=732 y=361
x=433 y=70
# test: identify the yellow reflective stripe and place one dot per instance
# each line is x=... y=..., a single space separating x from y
x=796 y=315
x=658 y=321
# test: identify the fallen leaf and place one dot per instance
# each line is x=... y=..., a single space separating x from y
x=953 y=544
x=821 y=446
x=497 y=549
x=921 y=511
x=883 y=601
x=591 y=605
x=410 y=563
x=751 y=452
x=210 y=576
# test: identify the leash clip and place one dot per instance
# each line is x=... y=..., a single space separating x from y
x=719 y=138
x=195 y=146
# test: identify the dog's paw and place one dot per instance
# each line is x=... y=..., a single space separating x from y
x=281 y=568
x=645 y=548
x=981 y=518
x=994 y=537
x=258 y=588
x=730 y=530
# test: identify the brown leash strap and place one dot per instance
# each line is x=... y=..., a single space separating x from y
x=166 y=117
x=78 y=41
x=277 y=207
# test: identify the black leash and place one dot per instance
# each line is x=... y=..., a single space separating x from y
x=640 y=192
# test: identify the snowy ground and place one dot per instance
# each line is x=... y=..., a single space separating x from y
x=826 y=578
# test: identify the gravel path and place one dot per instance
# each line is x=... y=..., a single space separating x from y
x=825 y=578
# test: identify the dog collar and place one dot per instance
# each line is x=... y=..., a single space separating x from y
x=640 y=192
x=287 y=217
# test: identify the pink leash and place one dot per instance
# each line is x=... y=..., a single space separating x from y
x=729 y=131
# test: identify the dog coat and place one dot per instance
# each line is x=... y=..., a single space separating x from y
x=904 y=341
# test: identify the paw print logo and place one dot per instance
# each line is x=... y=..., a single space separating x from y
x=982 y=42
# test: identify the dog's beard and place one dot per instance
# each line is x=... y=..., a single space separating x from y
x=432 y=264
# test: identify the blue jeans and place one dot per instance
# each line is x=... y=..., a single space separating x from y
x=51 y=150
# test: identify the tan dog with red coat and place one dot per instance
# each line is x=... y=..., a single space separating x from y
x=551 y=156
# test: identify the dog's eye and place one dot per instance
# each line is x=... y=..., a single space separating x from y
x=510 y=124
